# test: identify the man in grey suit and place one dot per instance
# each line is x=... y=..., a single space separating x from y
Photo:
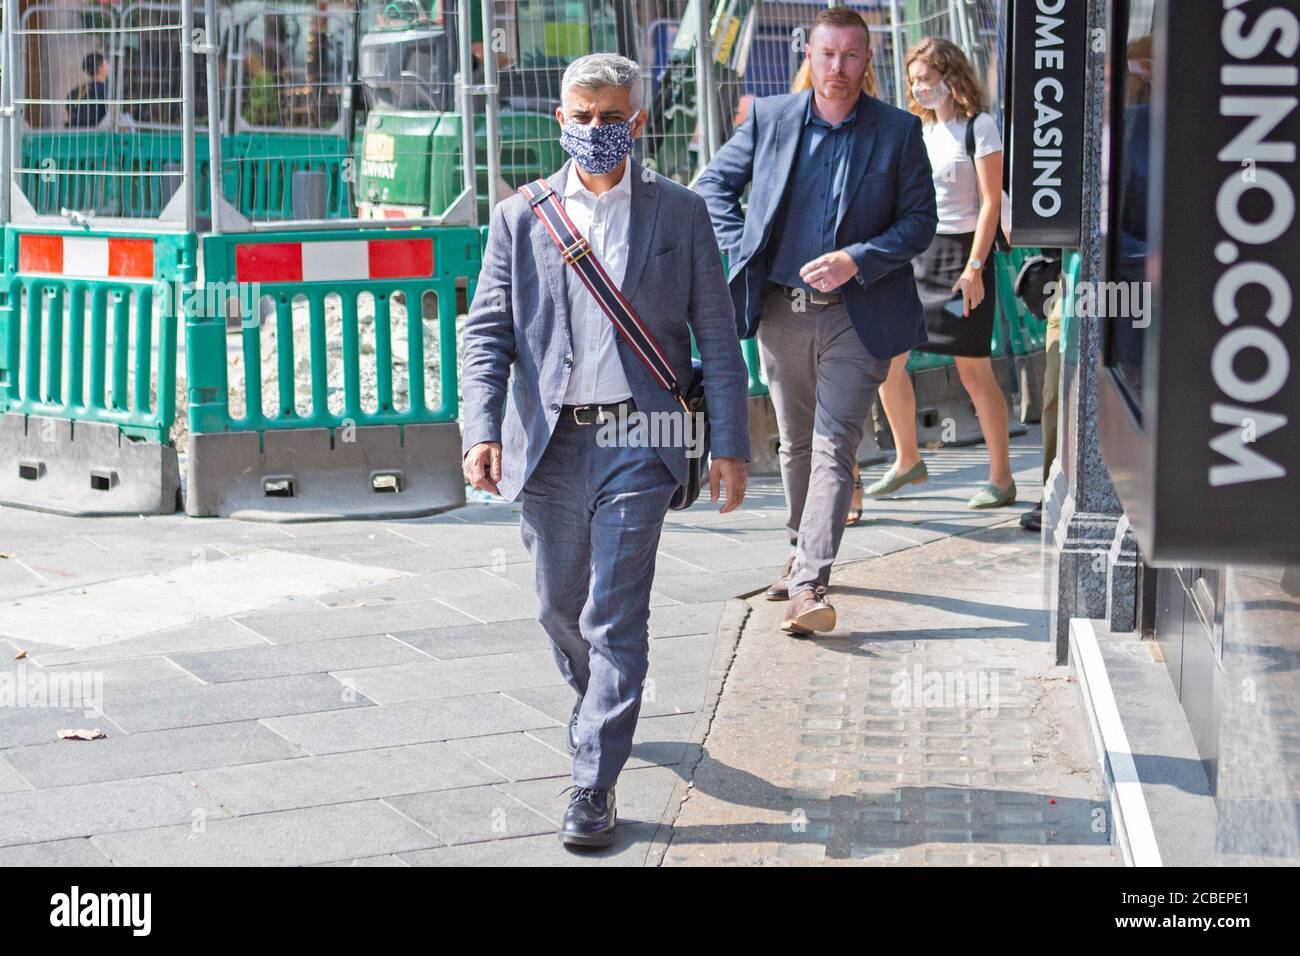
x=840 y=201
x=542 y=370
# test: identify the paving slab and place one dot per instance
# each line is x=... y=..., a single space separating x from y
x=83 y=617
x=310 y=657
x=685 y=619
x=472 y=815
x=20 y=726
x=426 y=680
x=288 y=838
x=39 y=816
x=287 y=625
x=520 y=756
x=387 y=860
x=121 y=756
x=340 y=778
x=216 y=634
x=61 y=853
x=241 y=700
x=632 y=844
x=475 y=640
x=410 y=722
x=10 y=779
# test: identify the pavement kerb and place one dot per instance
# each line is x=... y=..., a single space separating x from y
x=730 y=627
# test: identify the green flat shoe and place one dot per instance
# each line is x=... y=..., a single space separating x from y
x=991 y=496
x=892 y=481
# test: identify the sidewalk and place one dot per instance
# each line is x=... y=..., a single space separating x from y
x=380 y=693
x=930 y=728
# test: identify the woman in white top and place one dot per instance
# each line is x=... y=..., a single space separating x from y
x=955 y=276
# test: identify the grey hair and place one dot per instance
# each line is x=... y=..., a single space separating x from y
x=596 y=70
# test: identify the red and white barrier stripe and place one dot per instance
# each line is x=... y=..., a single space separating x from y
x=94 y=257
x=340 y=261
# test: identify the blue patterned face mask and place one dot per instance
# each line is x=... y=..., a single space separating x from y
x=597 y=149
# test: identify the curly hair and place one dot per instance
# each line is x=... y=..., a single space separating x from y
x=946 y=58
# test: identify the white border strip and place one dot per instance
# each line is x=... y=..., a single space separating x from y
x=1135 y=835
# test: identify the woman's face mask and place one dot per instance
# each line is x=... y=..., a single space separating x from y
x=929 y=97
x=597 y=149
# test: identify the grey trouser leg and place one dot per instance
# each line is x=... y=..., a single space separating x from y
x=788 y=346
x=823 y=381
x=591 y=520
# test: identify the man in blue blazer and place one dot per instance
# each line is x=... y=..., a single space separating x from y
x=550 y=397
x=840 y=202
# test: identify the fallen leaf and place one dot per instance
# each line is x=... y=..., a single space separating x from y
x=20 y=655
x=95 y=734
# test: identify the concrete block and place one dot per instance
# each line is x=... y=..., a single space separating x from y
x=84 y=468
x=310 y=474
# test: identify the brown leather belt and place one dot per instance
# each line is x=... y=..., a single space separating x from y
x=595 y=414
x=816 y=298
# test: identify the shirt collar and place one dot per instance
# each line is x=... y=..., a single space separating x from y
x=809 y=116
x=574 y=184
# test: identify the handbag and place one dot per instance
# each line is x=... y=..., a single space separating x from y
x=574 y=249
x=1036 y=274
x=1001 y=241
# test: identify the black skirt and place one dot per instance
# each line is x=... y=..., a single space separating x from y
x=937 y=270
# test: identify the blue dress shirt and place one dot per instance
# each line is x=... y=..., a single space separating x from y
x=805 y=225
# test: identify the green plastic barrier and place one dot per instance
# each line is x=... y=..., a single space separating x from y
x=126 y=174
x=258 y=173
x=1028 y=332
x=1072 y=266
x=102 y=327
x=456 y=256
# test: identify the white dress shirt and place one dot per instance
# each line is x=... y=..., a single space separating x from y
x=597 y=376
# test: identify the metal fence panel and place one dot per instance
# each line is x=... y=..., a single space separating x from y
x=93 y=87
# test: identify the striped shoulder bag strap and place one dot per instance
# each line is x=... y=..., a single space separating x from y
x=574 y=248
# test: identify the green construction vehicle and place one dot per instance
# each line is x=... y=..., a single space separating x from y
x=409 y=160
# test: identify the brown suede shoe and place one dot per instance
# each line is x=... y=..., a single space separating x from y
x=780 y=589
x=808 y=613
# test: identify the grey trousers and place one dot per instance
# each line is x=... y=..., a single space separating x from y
x=591 y=522
x=822 y=380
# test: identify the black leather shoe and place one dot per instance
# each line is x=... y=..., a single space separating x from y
x=590 y=819
x=1032 y=520
x=573 y=728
